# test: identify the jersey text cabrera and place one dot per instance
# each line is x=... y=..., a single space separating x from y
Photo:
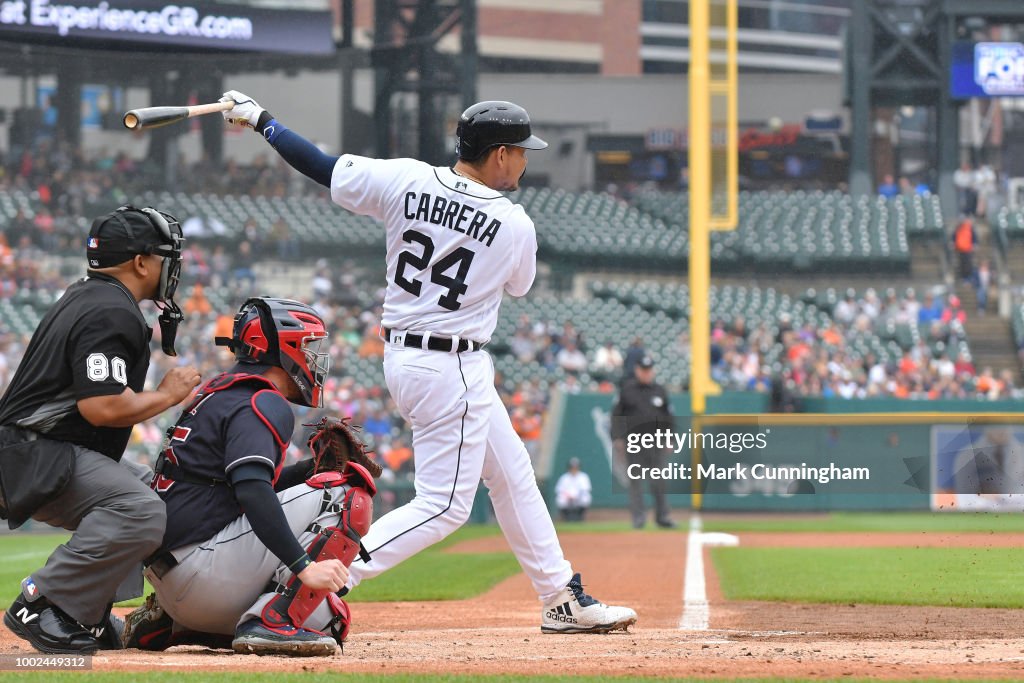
x=453 y=245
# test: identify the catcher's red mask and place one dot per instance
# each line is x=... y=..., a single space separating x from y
x=285 y=333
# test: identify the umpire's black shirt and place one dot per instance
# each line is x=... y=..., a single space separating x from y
x=641 y=409
x=93 y=342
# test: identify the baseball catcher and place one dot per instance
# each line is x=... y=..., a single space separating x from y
x=255 y=553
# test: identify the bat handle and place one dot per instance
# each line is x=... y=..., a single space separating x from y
x=211 y=108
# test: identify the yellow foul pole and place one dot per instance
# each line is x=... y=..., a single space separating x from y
x=700 y=205
x=700 y=217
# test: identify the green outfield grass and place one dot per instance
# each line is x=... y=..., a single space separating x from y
x=869 y=521
x=944 y=577
x=438 y=575
x=19 y=555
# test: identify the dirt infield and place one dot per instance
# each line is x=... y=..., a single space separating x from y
x=498 y=632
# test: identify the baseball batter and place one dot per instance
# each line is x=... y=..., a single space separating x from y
x=455 y=245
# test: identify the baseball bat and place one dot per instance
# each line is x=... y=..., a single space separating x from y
x=154 y=117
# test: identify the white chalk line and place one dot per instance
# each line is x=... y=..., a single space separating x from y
x=25 y=556
x=695 y=597
x=696 y=612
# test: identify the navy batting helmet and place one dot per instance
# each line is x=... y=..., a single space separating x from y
x=489 y=124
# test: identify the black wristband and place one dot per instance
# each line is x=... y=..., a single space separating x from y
x=300 y=564
x=265 y=118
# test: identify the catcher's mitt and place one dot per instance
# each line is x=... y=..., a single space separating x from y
x=334 y=443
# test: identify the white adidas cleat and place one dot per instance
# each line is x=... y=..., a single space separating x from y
x=573 y=611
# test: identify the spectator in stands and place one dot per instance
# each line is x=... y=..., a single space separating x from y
x=43 y=225
x=220 y=267
x=982 y=282
x=846 y=309
x=911 y=306
x=322 y=285
x=570 y=385
x=937 y=332
x=1006 y=384
x=378 y=425
x=197 y=304
x=888 y=188
x=986 y=182
x=892 y=306
x=527 y=421
x=573 y=492
x=681 y=347
x=953 y=311
x=607 y=359
x=634 y=353
x=284 y=238
x=243 y=262
x=20 y=226
x=965 y=239
x=372 y=345
x=963 y=365
x=738 y=328
x=196 y=265
x=944 y=368
x=570 y=335
x=870 y=305
x=522 y=344
x=966 y=193
x=399 y=457
x=931 y=309
x=877 y=375
x=571 y=359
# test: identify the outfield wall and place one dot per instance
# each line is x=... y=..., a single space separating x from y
x=900 y=458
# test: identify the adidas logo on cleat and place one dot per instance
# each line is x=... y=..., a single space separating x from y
x=563 y=614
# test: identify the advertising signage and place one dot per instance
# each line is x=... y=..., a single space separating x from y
x=987 y=70
x=199 y=25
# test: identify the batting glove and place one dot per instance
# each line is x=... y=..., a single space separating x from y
x=246 y=111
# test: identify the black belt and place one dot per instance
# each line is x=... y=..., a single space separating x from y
x=161 y=563
x=435 y=342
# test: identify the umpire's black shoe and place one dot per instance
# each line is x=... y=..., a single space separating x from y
x=108 y=632
x=48 y=628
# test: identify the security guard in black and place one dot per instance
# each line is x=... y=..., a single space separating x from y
x=643 y=408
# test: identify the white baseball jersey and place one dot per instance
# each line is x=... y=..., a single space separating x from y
x=453 y=245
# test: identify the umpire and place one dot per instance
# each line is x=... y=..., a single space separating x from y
x=642 y=408
x=65 y=421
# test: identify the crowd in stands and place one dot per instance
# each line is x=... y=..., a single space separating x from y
x=66 y=183
x=816 y=360
x=819 y=360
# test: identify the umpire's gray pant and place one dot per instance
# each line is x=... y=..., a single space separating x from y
x=117 y=522
x=219 y=583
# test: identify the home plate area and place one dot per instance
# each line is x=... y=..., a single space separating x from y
x=499 y=633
